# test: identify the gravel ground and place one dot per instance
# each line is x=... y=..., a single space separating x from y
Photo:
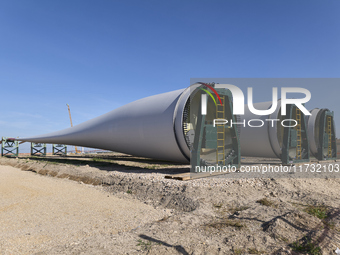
x=37 y=212
x=202 y=216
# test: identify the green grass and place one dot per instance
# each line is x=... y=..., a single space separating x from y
x=146 y=245
x=306 y=248
x=99 y=160
x=150 y=167
x=53 y=163
x=129 y=191
x=320 y=212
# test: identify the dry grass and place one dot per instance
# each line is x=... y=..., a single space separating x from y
x=226 y=223
x=266 y=202
x=238 y=209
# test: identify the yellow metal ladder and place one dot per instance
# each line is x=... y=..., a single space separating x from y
x=329 y=132
x=298 y=134
x=220 y=150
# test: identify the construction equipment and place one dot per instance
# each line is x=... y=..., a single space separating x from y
x=69 y=113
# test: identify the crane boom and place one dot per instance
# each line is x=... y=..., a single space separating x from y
x=69 y=113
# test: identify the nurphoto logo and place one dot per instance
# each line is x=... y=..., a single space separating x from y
x=238 y=102
x=239 y=105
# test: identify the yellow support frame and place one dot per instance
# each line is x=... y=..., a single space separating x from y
x=329 y=133
x=220 y=114
x=299 y=135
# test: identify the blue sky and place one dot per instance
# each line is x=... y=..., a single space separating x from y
x=99 y=55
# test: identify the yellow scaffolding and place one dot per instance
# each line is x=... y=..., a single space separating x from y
x=329 y=132
x=298 y=134
x=220 y=150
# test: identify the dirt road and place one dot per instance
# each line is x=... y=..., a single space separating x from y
x=37 y=212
